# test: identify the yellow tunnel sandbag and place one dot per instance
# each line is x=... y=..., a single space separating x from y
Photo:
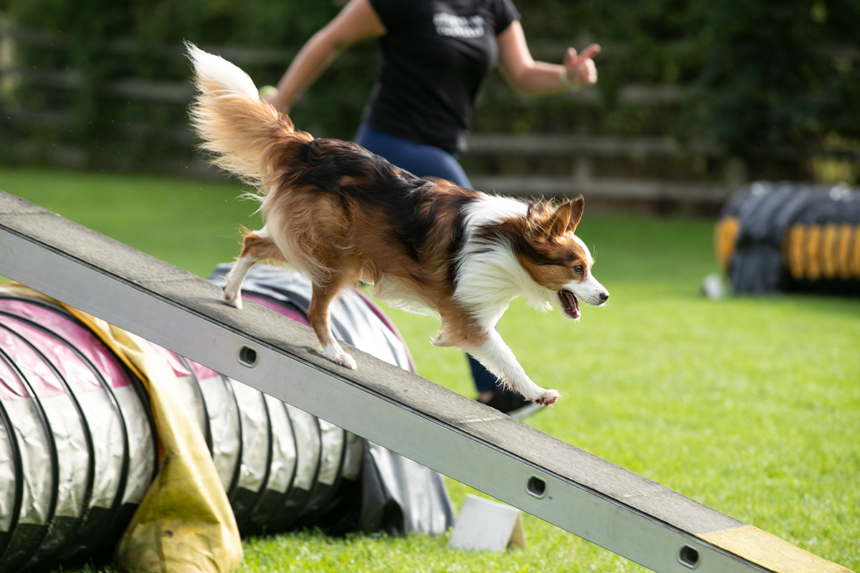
x=842 y=251
x=813 y=252
x=727 y=232
x=185 y=523
x=829 y=254
x=843 y=256
x=794 y=252
x=844 y=240
x=855 y=255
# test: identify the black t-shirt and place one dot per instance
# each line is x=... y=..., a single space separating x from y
x=434 y=56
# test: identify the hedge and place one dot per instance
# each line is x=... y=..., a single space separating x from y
x=769 y=82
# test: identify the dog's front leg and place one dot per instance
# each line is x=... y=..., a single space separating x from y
x=233 y=287
x=495 y=355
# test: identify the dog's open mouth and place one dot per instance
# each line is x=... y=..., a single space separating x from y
x=569 y=303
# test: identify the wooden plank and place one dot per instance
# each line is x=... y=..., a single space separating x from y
x=590 y=145
x=631 y=94
x=604 y=188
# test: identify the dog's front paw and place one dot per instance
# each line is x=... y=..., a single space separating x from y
x=547 y=398
x=336 y=354
x=234 y=299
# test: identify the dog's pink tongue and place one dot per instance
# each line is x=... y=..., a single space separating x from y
x=572 y=302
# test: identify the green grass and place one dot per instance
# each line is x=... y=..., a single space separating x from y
x=749 y=405
x=190 y=224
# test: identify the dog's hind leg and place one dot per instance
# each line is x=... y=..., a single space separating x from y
x=318 y=316
x=495 y=355
x=257 y=246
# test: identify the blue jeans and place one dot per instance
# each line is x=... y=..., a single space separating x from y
x=425 y=161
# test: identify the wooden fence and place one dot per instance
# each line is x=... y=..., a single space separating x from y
x=596 y=166
x=581 y=153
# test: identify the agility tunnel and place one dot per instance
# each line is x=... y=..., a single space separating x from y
x=786 y=237
x=79 y=447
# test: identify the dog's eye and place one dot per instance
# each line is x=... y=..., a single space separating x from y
x=578 y=269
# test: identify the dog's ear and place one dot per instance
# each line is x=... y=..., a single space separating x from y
x=560 y=220
x=566 y=217
x=577 y=206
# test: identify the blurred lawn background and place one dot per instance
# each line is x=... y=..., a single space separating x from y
x=748 y=405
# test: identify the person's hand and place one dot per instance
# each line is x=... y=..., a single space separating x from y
x=268 y=93
x=579 y=68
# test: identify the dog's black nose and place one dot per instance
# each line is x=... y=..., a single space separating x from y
x=604 y=296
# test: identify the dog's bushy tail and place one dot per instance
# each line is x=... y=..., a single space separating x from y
x=244 y=135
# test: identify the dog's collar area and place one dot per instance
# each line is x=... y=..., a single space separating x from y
x=569 y=303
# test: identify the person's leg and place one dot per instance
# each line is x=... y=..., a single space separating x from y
x=419 y=159
x=485 y=381
x=429 y=161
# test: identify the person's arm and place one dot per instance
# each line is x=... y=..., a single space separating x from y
x=530 y=76
x=355 y=22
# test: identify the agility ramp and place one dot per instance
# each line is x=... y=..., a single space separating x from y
x=559 y=483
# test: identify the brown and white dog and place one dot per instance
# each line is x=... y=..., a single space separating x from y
x=342 y=215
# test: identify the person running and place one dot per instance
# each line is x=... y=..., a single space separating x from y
x=435 y=55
